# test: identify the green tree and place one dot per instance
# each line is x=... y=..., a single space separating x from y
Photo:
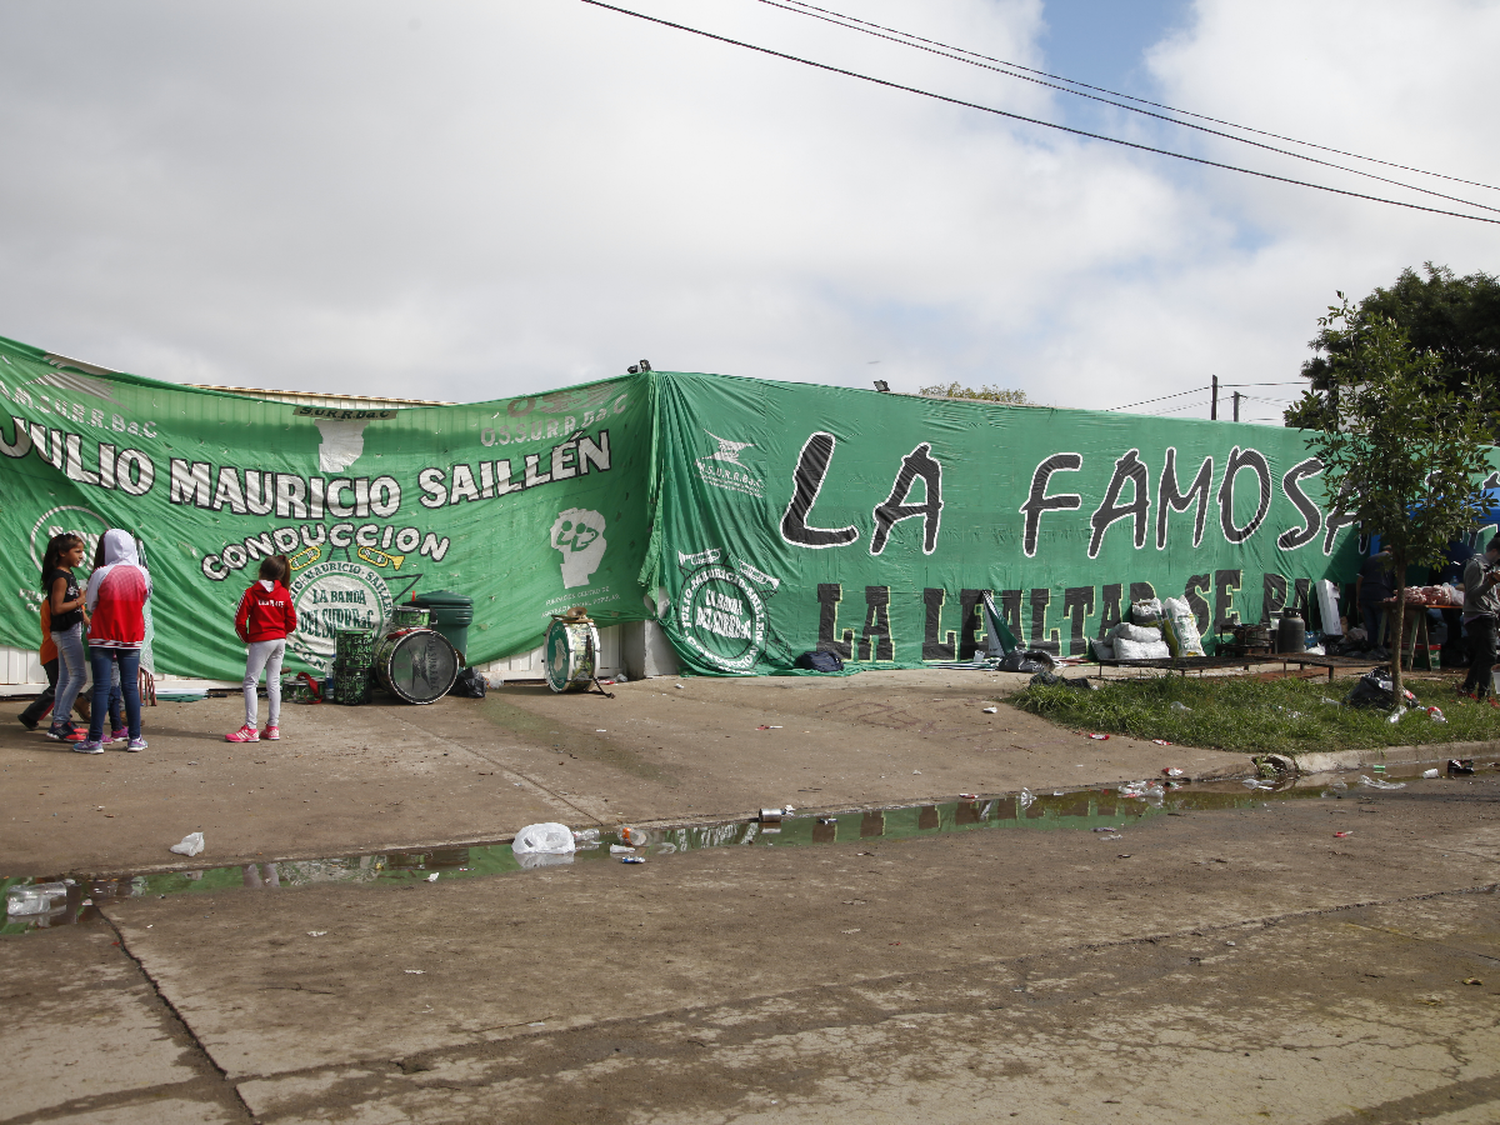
x=1402 y=449
x=985 y=393
x=1456 y=319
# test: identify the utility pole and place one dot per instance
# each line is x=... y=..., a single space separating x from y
x=1237 y=397
x=1213 y=406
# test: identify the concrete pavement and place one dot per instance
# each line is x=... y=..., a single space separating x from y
x=1237 y=965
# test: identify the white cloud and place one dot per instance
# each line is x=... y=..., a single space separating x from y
x=467 y=200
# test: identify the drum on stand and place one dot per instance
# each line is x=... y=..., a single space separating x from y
x=417 y=665
x=572 y=654
x=353 y=673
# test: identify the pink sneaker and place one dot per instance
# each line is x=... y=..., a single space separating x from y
x=246 y=733
x=271 y=734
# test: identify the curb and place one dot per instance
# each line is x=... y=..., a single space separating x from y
x=1433 y=753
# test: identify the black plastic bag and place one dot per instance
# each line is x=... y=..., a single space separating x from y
x=469 y=685
x=1373 y=690
x=818 y=661
x=1019 y=661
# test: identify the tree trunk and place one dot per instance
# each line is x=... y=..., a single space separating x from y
x=1398 y=630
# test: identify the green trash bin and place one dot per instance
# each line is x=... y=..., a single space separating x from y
x=450 y=614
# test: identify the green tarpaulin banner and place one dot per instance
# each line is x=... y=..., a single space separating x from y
x=756 y=520
x=526 y=505
x=792 y=517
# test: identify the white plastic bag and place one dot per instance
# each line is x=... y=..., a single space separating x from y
x=1126 y=649
x=1146 y=611
x=192 y=844
x=1137 y=634
x=1181 y=628
x=538 y=845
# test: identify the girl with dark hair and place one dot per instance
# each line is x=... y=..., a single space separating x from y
x=266 y=615
x=66 y=603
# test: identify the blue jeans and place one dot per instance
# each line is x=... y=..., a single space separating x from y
x=70 y=674
x=116 y=702
x=105 y=662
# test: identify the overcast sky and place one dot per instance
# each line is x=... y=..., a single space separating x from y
x=469 y=200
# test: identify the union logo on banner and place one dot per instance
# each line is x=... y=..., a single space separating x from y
x=724 y=469
x=722 y=613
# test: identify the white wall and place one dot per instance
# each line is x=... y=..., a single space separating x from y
x=20 y=666
x=533 y=665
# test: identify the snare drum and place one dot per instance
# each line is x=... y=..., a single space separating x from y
x=417 y=665
x=572 y=654
x=355 y=647
x=408 y=616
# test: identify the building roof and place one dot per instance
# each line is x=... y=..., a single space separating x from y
x=315 y=398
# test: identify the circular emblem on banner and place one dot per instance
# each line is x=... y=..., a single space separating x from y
x=81 y=521
x=336 y=595
x=723 y=618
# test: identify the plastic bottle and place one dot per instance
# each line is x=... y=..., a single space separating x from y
x=35 y=898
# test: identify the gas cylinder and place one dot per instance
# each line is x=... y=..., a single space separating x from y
x=1291 y=633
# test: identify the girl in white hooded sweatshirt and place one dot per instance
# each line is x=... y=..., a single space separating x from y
x=116 y=601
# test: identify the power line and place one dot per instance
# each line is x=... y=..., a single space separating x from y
x=887 y=83
x=1180 y=409
x=1145 y=402
x=998 y=66
x=835 y=16
x=1287 y=383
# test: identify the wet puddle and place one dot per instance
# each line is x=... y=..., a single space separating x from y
x=41 y=903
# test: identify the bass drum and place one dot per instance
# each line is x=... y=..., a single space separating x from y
x=572 y=655
x=417 y=665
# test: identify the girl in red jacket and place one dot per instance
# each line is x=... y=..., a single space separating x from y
x=265 y=617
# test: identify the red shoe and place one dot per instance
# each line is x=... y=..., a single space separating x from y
x=66 y=734
x=246 y=733
x=271 y=734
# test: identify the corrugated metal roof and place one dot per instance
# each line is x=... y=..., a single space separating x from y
x=315 y=398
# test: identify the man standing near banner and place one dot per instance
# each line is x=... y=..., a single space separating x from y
x=1371 y=588
x=1455 y=653
x=1481 y=608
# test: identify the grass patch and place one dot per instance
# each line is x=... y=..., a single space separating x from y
x=1258 y=717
